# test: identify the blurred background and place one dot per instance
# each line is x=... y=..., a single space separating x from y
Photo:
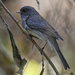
x=61 y=15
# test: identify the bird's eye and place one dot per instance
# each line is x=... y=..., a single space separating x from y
x=24 y=10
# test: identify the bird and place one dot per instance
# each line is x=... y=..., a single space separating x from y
x=35 y=25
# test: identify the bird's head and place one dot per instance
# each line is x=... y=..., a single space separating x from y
x=26 y=10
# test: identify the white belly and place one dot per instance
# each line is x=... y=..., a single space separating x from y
x=37 y=34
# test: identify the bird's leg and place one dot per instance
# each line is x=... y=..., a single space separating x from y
x=43 y=48
x=32 y=46
x=27 y=38
x=30 y=37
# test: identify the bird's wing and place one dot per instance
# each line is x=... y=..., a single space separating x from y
x=38 y=23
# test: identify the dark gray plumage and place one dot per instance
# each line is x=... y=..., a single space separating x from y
x=37 y=26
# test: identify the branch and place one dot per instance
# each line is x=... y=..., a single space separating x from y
x=38 y=4
x=25 y=33
x=42 y=71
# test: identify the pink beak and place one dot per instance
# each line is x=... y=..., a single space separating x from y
x=18 y=11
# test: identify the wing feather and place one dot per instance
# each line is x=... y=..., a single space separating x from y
x=38 y=23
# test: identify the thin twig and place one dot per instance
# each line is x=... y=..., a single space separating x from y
x=42 y=71
x=38 y=4
x=50 y=62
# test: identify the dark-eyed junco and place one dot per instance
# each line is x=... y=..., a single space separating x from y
x=37 y=26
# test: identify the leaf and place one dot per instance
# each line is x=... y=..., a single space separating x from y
x=20 y=62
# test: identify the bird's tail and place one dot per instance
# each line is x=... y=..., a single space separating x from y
x=55 y=44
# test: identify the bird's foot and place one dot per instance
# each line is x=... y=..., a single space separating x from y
x=30 y=37
x=43 y=48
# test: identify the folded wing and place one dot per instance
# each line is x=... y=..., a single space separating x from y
x=38 y=23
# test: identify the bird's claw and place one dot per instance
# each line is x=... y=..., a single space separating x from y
x=43 y=48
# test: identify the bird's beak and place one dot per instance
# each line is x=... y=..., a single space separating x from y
x=18 y=11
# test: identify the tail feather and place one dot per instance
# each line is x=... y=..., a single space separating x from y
x=54 y=43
